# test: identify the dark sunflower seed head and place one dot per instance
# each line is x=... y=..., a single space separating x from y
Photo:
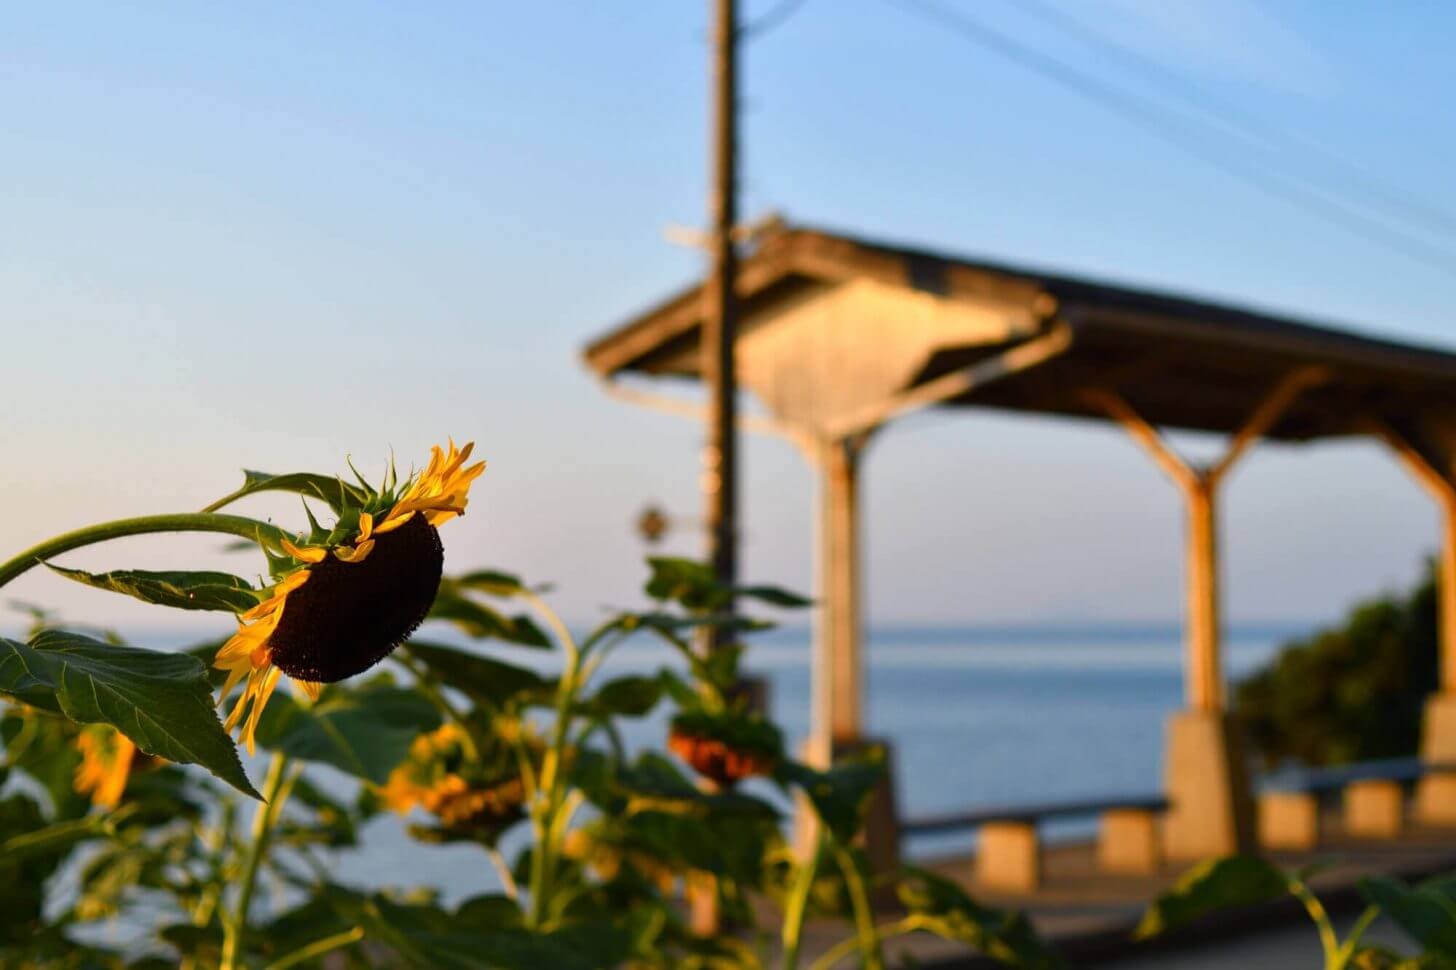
x=349 y=616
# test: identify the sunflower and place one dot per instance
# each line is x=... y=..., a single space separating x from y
x=434 y=776
x=344 y=598
x=725 y=747
x=108 y=759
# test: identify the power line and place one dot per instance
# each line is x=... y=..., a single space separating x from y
x=1156 y=121
x=1171 y=82
x=771 y=20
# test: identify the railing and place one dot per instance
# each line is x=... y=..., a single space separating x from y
x=1290 y=817
x=1029 y=813
x=1403 y=771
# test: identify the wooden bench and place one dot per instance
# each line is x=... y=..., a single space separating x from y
x=1009 y=857
x=1372 y=793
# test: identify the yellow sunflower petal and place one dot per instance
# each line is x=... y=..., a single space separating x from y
x=366 y=526
x=106 y=756
x=304 y=553
x=393 y=521
x=354 y=553
x=308 y=688
x=260 y=700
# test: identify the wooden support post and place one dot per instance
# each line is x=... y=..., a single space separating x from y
x=1212 y=810
x=1203 y=682
x=837 y=708
x=836 y=727
x=1441 y=488
x=1435 y=804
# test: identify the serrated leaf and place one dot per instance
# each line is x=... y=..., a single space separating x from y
x=182 y=590
x=161 y=701
x=1210 y=886
x=327 y=488
x=365 y=732
x=484 y=679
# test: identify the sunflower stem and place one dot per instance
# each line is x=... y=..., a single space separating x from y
x=263 y=822
x=426 y=685
x=549 y=800
x=235 y=525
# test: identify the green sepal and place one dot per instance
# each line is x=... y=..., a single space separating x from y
x=333 y=491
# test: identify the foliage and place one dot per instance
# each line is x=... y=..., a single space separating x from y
x=1426 y=913
x=117 y=771
x=1352 y=693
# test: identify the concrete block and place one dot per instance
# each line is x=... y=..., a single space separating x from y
x=1211 y=811
x=1374 y=809
x=1008 y=857
x=1438 y=734
x=1129 y=841
x=1436 y=799
x=1289 y=820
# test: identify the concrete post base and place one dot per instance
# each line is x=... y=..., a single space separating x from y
x=1211 y=811
x=1128 y=841
x=1438 y=734
x=881 y=836
x=1008 y=857
x=1374 y=809
x=1436 y=799
x=1289 y=820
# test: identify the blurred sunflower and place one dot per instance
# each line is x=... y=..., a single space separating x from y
x=344 y=598
x=108 y=759
x=436 y=776
x=725 y=747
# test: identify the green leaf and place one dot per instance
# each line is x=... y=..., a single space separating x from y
x=426 y=936
x=484 y=680
x=334 y=491
x=841 y=795
x=492 y=911
x=491 y=582
x=1426 y=913
x=775 y=596
x=630 y=696
x=1210 y=886
x=364 y=732
x=482 y=622
x=946 y=910
x=182 y=590
x=160 y=700
x=687 y=582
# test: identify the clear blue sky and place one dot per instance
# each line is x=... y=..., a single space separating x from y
x=268 y=235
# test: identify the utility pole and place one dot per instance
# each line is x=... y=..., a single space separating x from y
x=720 y=312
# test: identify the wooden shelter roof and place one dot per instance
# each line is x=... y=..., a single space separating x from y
x=1181 y=363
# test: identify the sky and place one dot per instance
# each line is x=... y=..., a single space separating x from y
x=275 y=235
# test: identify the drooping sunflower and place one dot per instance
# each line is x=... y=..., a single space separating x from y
x=108 y=759
x=725 y=747
x=343 y=598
